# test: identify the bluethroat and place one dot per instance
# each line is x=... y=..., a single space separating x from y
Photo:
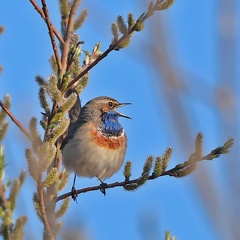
x=95 y=145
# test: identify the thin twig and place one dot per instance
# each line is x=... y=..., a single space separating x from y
x=15 y=121
x=51 y=34
x=40 y=11
x=69 y=33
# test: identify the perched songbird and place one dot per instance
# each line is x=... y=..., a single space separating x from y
x=95 y=145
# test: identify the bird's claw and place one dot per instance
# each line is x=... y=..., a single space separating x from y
x=103 y=186
x=74 y=193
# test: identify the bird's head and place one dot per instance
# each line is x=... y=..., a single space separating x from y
x=109 y=105
x=103 y=107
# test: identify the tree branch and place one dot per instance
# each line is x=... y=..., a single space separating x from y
x=159 y=5
x=119 y=184
x=51 y=34
x=15 y=121
x=40 y=11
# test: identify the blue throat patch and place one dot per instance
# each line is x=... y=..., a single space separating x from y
x=110 y=125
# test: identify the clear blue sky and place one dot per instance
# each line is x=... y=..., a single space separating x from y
x=129 y=76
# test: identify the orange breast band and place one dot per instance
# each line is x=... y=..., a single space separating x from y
x=107 y=141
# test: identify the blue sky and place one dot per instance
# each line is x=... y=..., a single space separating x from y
x=131 y=75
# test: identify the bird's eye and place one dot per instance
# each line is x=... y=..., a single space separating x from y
x=110 y=104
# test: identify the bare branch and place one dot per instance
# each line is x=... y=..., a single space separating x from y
x=51 y=34
x=40 y=11
x=15 y=121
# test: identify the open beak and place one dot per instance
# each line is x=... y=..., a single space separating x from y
x=120 y=114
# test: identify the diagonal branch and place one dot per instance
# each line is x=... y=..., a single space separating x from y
x=102 y=56
x=51 y=34
x=158 y=6
x=15 y=121
x=40 y=11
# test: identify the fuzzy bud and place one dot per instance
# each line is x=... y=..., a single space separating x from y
x=139 y=25
x=127 y=170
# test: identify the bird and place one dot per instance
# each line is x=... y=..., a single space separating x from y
x=96 y=143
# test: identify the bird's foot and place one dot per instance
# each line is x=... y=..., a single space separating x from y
x=103 y=186
x=74 y=194
x=74 y=191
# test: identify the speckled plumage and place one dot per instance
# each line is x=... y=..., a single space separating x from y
x=96 y=145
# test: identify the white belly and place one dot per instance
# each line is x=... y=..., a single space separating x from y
x=88 y=159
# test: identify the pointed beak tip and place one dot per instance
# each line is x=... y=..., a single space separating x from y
x=127 y=117
x=124 y=104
